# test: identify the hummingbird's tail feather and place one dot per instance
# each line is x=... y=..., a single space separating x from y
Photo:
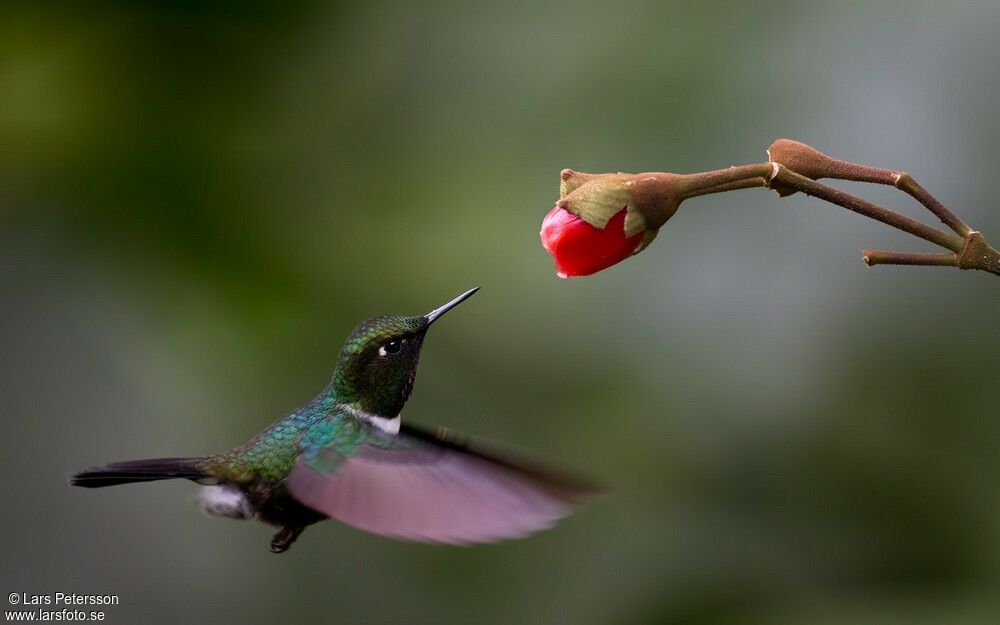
x=139 y=471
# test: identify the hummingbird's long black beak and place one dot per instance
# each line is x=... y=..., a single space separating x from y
x=433 y=315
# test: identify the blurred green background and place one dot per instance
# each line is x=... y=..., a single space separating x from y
x=199 y=200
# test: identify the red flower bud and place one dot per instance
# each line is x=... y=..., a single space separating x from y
x=580 y=249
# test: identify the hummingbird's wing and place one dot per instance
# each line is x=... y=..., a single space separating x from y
x=432 y=487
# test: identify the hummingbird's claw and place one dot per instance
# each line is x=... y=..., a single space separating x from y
x=284 y=539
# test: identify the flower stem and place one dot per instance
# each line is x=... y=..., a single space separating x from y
x=906 y=183
x=976 y=254
x=821 y=165
x=746 y=183
x=788 y=178
x=728 y=179
x=880 y=257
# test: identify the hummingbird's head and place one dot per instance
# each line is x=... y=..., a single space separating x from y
x=378 y=362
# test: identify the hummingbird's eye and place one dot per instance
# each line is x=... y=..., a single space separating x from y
x=392 y=348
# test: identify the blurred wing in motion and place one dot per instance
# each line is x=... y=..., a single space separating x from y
x=432 y=487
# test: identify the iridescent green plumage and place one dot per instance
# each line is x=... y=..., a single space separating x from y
x=362 y=382
x=344 y=454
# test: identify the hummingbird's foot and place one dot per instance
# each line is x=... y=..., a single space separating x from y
x=284 y=539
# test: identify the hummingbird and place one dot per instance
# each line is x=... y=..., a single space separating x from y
x=346 y=455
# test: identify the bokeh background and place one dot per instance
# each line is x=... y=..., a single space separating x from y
x=199 y=200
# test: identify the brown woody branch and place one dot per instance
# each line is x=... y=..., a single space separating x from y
x=796 y=167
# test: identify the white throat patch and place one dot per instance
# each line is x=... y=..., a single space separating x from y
x=389 y=426
x=385 y=424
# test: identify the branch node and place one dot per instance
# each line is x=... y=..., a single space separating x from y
x=978 y=254
x=775 y=168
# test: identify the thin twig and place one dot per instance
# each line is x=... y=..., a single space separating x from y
x=747 y=183
x=906 y=183
x=736 y=177
x=881 y=257
x=845 y=170
x=788 y=178
x=812 y=163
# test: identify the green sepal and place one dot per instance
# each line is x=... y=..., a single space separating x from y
x=597 y=201
x=570 y=181
x=635 y=221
